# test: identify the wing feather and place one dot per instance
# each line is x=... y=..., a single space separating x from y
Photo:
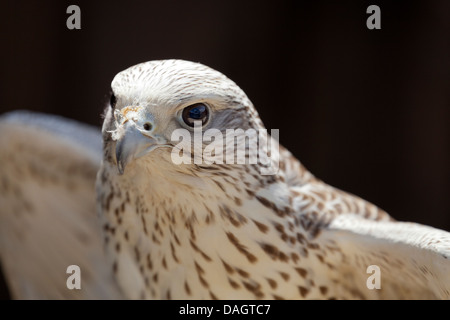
x=413 y=260
x=48 y=217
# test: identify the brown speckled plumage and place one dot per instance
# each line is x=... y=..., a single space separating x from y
x=190 y=231
x=236 y=233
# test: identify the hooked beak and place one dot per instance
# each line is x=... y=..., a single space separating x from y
x=132 y=145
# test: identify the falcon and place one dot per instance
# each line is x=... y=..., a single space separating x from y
x=192 y=230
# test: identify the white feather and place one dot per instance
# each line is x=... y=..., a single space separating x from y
x=48 y=215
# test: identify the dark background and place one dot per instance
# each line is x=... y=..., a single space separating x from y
x=367 y=111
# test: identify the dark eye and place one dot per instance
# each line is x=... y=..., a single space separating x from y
x=113 y=101
x=195 y=112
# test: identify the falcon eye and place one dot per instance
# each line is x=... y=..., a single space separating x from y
x=113 y=101
x=195 y=112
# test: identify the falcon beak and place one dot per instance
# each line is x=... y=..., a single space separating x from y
x=132 y=144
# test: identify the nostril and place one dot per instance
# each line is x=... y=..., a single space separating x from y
x=147 y=126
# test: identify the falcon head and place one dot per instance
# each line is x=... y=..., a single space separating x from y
x=152 y=99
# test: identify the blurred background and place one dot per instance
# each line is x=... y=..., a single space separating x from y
x=367 y=111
